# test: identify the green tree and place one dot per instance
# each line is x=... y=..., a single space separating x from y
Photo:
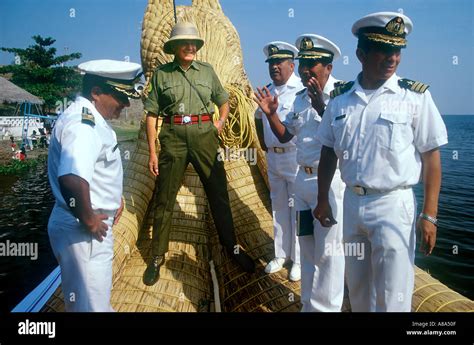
x=38 y=70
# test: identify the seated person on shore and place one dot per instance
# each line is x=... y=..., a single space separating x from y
x=20 y=155
x=13 y=144
x=42 y=142
x=34 y=140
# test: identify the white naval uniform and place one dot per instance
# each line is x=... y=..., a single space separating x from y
x=89 y=152
x=282 y=169
x=378 y=143
x=322 y=272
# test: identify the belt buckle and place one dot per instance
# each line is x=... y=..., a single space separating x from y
x=308 y=170
x=279 y=150
x=360 y=190
x=186 y=119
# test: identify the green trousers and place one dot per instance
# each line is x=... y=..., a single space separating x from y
x=181 y=145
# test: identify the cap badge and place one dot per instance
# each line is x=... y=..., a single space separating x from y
x=272 y=49
x=396 y=26
x=306 y=43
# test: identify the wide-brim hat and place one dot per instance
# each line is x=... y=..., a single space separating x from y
x=121 y=76
x=183 y=32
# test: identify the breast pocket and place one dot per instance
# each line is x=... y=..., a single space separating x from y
x=205 y=90
x=172 y=92
x=393 y=131
x=341 y=130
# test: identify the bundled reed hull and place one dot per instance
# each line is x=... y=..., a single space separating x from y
x=185 y=283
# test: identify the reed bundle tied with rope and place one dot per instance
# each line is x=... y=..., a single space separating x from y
x=185 y=283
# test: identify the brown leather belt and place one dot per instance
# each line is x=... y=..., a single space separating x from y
x=187 y=119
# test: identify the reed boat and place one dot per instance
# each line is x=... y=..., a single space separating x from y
x=198 y=276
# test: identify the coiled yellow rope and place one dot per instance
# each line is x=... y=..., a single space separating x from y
x=237 y=133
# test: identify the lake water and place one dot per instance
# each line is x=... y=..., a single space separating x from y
x=26 y=202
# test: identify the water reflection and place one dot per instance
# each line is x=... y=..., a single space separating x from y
x=25 y=206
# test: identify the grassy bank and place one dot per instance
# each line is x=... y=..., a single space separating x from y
x=16 y=167
x=125 y=132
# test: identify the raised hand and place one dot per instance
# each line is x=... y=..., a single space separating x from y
x=266 y=101
x=315 y=92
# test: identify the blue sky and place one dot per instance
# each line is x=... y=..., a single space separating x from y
x=443 y=34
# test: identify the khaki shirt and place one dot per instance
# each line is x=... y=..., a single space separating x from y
x=170 y=93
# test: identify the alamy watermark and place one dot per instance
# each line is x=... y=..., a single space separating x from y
x=355 y=249
x=19 y=249
x=28 y=327
x=235 y=154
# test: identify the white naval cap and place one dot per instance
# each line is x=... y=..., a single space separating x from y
x=385 y=28
x=122 y=76
x=279 y=50
x=315 y=47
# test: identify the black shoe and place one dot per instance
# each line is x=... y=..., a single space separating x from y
x=243 y=260
x=152 y=272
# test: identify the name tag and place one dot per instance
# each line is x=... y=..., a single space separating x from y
x=340 y=117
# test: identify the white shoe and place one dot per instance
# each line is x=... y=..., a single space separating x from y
x=275 y=265
x=295 y=273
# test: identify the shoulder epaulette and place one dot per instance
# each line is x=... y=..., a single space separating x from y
x=412 y=85
x=339 y=83
x=341 y=88
x=301 y=91
x=87 y=117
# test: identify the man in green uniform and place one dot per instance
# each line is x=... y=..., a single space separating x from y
x=182 y=92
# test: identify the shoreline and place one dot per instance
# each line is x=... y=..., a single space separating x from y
x=11 y=167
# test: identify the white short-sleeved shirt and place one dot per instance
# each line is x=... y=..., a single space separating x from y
x=379 y=142
x=286 y=96
x=303 y=122
x=88 y=151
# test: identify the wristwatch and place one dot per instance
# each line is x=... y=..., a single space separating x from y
x=429 y=218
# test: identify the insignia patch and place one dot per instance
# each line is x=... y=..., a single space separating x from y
x=343 y=88
x=87 y=117
x=306 y=43
x=396 y=26
x=412 y=85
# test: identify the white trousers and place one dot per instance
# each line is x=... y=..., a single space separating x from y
x=86 y=264
x=322 y=263
x=282 y=169
x=384 y=226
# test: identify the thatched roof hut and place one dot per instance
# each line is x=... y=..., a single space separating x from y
x=10 y=93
